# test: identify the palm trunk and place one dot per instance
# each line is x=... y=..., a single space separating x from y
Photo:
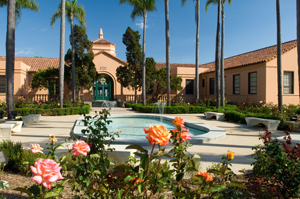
x=62 y=52
x=143 y=61
x=167 y=51
x=222 y=60
x=10 y=56
x=298 y=41
x=279 y=67
x=135 y=89
x=197 y=50
x=73 y=61
x=217 y=58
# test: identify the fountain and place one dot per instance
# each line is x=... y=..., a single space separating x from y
x=109 y=104
x=161 y=109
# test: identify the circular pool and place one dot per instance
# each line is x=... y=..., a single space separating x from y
x=131 y=128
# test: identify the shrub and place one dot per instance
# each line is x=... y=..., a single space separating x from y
x=13 y=152
x=28 y=158
x=276 y=170
x=235 y=116
x=86 y=108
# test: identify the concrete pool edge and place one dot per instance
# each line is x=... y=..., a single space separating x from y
x=213 y=133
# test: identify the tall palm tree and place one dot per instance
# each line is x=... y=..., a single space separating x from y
x=222 y=45
x=197 y=19
x=279 y=62
x=13 y=12
x=167 y=51
x=217 y=59
x=298 y=40
x=73 y=10
x=140 y=9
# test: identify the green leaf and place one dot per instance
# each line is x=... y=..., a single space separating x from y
x=191 y=169
x=144 y=161
x=196 y=156
x=138 y=147
x=140 y=188
x=51 y=195
x=64 y=166
x=97 y=172
x=138 y=154
x=179 y=176
x=162 y=153
x=218 y=188
x=182 y=165
x=91 y=163
x=23 y=190
x=237 y=184
x=128 y=178
x=64 y=182
x=214 y=171
x=228 y=171
x=95 y=155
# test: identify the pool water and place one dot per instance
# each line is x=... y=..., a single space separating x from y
x=133 y=127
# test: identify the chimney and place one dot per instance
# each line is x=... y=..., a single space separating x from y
x=101 y=34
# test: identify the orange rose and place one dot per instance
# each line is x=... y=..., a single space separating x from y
x=137 y=181
x=157 y=134
x=230 y=155
x=178 y=121
x=207 y=176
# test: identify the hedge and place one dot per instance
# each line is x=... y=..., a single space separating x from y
x=54 y=111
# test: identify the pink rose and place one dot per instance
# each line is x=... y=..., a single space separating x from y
x=183 y=134
x=35 y=148
x=46 y=171
x=81 y=147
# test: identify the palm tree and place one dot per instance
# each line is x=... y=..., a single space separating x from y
x=13 y=12
x=61 y=53
x=140 y=9
x=279 y=66
x=222 y=45
x=73 y=10
x=217 y=59
x=22 y=4
x=167 y=51
x=197 y=19
x=298 y=40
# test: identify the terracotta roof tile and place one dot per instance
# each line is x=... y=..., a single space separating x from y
x=173 y=65
x=102 y=41
x=36 y=63
x=253 y=57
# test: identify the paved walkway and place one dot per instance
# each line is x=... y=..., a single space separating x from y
x=239 y=137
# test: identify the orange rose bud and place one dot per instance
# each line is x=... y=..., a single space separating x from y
x=230 y=155
x=178 y=121
x=207 y=176
x=157 y=134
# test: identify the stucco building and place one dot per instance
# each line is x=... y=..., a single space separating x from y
x=249 y=76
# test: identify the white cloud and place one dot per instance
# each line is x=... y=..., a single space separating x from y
x=24 y=52
x=140 y=24
x=44 y=29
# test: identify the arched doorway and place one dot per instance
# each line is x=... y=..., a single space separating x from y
x=103 y=88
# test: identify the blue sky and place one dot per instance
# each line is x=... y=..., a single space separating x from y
x=249 y=25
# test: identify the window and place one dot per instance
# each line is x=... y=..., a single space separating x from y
x=252 y=82
x=211 y=86
x=189 y=88
x=236 y=84
x=203 y=82
x=2 y=84
x=288 y=82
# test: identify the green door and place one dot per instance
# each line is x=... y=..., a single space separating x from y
x=102 y=91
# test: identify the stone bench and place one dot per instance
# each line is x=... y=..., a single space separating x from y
x=271 y=124
x=17 y=126
x=219 y=116
x=31 y=119
x=5 y=130
x=119 y=155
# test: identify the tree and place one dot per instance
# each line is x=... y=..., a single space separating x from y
x=197 y=19
x=46 y=79
x=13 y=12
x=140 y=9
x=22 y=4
x=222 y=45
x=167 y=51
x=73 y=10
x=156 y=81
x=85 y=71
x=279 y=62
x=129 y=76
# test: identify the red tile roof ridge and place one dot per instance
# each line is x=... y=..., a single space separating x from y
x=102 y=41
